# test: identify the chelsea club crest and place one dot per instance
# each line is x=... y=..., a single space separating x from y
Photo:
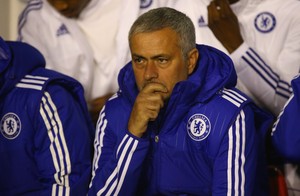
x=198 y=127
x=10 y=126
x=265 y=22
x=145 y=3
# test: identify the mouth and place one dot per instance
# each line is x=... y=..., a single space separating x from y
x=152 y=82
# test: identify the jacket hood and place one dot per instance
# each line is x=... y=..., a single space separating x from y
x=213 y=72
x=16 y=60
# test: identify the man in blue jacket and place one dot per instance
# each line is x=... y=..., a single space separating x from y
x=286 y=130
x=286 y=138
x=177 y=126
x=46 y=133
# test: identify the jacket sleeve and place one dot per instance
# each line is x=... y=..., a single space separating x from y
x=29 y=29
x=286 y=130
x=63 y=144
x=118 y=159
x=235 y=165
x=269 y=84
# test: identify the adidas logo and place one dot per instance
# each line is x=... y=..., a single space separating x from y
x=201 y=22
x=62 y=30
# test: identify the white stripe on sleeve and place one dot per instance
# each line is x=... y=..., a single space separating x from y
x=58 y=147
x=237 y=133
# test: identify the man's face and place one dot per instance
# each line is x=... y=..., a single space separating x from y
x=69 y=8
x=157 y=58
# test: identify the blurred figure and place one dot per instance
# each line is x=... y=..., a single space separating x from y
x=286 y=137
x=46 y=132
x=262 y=38
x=51 y=27
x=286 y=130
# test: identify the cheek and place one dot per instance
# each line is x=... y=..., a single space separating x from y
x=174 y=78
x=138 y=78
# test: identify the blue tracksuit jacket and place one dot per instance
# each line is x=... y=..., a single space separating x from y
x=286 y=130
x=46 y=135
x=204 y=142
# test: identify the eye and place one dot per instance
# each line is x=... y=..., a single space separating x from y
x=162 y=60
x=139 y=62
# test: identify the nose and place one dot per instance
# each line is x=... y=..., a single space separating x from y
x=151 y=71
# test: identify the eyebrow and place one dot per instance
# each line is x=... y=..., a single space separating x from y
x=153 y=57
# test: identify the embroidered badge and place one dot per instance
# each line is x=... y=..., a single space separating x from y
x=198 y=127
x=265 y=22
x=10 y=126
x=145 y=3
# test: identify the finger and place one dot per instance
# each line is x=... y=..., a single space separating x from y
x=149 y=101
x=153 y=87
x=213 y=13
x=224 y=8
x=152 y=115
x=226 y=12
x=155 y=102
x=220 y=8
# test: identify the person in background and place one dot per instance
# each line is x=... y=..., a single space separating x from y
x=263 y=39
x=285 y=137
x=46 y=133
x=50 y=26
x=177 y=126
x=287 y=126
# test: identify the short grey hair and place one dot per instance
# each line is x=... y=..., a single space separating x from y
x=164 y=17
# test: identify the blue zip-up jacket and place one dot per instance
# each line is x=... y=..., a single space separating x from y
x=204 y=142
x=286 y=130
x=46 y=133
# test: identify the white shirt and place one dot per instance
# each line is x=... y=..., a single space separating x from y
x=60 y=40
x=267 y=83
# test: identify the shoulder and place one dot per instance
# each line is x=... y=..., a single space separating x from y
x=32 y=9
x=27 y=21
x=31 y=92
x=296 y=81
x=117 y=109
x=223 y=108
x=49 y=75
x=236 y=104
x=43 y=89
x=38 y=9
x=226 y=101
x=117 y=105
x=285 y=9
x=33 y=81
x=229 y=101
x=41 y=80
x=233 y=97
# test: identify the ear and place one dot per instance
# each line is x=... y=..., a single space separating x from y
x=192 y=60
